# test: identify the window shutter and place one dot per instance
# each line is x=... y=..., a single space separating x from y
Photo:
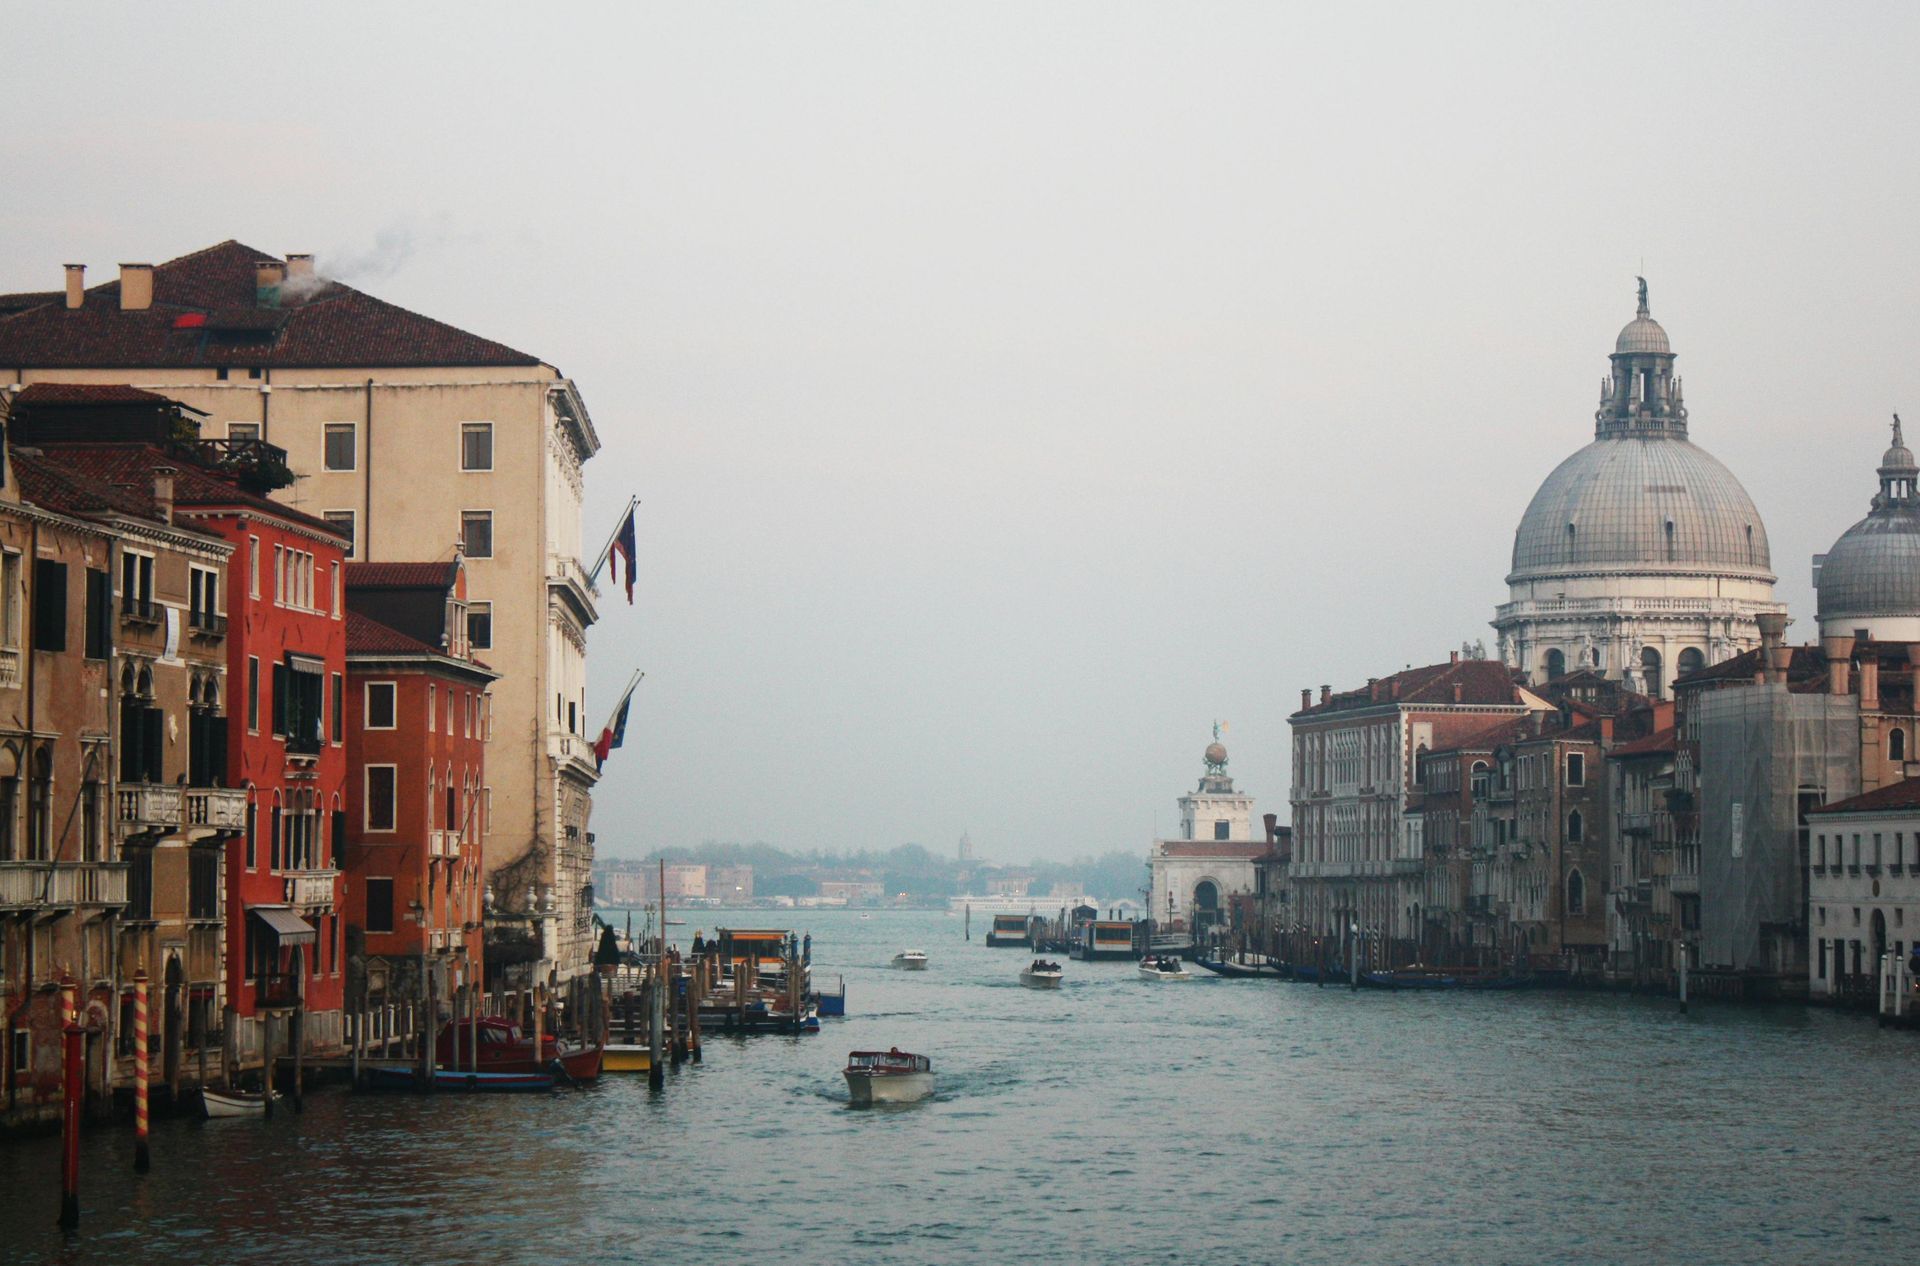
x=279 y=698
x=49 y=605
x=339 y=703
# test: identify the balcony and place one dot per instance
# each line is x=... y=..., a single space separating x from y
x=574 y=752
x=307 y=889
x=217 y=808
x=9 y=666
x=149 y=806
x=207 y=624
x=1636 y=824
x=567 y=581
x=137 y=610
x=40 y=885
x=1684 y=884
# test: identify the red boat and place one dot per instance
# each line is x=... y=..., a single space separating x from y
x=504 y=1049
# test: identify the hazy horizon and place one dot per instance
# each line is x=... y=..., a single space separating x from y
x=1012 y=392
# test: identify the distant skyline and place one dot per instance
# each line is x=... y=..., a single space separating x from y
x=1012 y=391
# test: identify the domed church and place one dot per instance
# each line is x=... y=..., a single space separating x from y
x=1641 y=557
x=1868 y=584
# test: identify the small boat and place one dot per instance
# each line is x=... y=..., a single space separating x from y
x=218 y=1104
x=1162 y=967
x=911 y=960
x=888 y=1076
x=505 y=1049
x=490 y=1083
x=1246 y=966
x=1042 y=975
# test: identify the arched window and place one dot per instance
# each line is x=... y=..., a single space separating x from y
x=1650 y=669
x=1576 y=893
x=1897 y=744
x=1691 y=660
x=1576 y=827
x=9 y=803
x=1556 y=664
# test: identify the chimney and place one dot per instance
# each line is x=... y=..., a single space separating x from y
x=1326 y=694
x=136 y=287
x=267 y=276
x=1838 y=650
x=1456 y=692
x=76 y=285
x=1373 y=689
x=299 y=265
x=163 y=491
x=1306 y=698
x=1773 y=629
x=1869 y=682
x=1272 y=821
x=1453 y=657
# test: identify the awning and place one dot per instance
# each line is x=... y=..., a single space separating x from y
x=307 y=664
x=287 y=927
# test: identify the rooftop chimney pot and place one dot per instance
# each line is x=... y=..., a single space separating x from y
x=299 y=265
x=267 y=276
x=1326 y=694
x=136 y=287
x=163 y=491
x=76 y=285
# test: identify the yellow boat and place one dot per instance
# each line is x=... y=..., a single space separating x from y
x=618 y=1058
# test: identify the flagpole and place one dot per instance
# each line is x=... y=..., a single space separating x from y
x=632 y=683
x=593 y=572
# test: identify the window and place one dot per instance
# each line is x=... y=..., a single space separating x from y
x=136 y=586
x=10 y=596
x=242 y=430
x=253 y=566
x=203 y=884
x=99 y=614
x=91 y=838
x=40 y=808
x=476 y=446
x=297 y=689
x=432 y=706
x=379 y=905
x=381 y=781
x=49 y=605
x=342 y=521
x=253 y=695
x=476 y=533
x=380 y=705
x=203 y=600
x=1897 y=745
x=1576 y=893
x=1221 y=829
x=253 y=828
x=1576 y=770
x=1576 y=827
x=338 y=454
x=339 y=705
x=480 y=626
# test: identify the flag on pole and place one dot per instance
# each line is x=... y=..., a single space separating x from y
x=626 y=546
x=616 y=732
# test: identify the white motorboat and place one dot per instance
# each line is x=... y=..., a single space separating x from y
x=888 y=1076
x=1042 y=975
x=911 y=960
x=1162 y=967
x=235 y=1103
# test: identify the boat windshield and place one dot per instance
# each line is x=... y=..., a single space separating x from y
x=887 y=1062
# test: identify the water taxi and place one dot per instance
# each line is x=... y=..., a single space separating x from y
x=1162 y=967
x=911 y=960
x=1042 y=975
x=888 y=1076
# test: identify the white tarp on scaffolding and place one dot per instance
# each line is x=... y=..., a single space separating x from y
x=1764 y=754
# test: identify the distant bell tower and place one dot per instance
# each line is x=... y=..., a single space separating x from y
x=1214 y=810
x=965 y=850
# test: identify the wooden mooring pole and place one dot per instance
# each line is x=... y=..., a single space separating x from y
x=72 y=1037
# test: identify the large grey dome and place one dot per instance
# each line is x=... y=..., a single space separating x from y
x=1874 y=568
x=1631 y=503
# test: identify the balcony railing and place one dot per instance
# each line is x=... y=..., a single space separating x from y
x=276 y=990
x=35 y=885
x=1685 y=884
x=135 y=610
x=207 y=623
x=222 y=808
x=309 y=888
x=149 y=805
x=9 y=666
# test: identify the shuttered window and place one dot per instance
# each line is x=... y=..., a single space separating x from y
x=49 y=605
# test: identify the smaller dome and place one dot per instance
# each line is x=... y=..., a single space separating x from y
x=1899 y=457
x=1216 y=754
x=1642 y=335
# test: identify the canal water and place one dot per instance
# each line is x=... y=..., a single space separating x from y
x=1118 y=1120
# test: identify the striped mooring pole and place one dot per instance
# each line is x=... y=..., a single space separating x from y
x=72 y=1035
x=142 y=1157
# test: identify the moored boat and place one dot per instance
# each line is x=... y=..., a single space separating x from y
x=1246 y=966
x=502 y=1048
x=490 y=1083
x=1042 y=974
x=892 y=1076
x=1162 y=967
x=220 y=1104
x=1010 y=929
x=626 y=1057
x=911 y=960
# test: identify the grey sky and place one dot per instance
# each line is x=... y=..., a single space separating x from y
x=1014 y=389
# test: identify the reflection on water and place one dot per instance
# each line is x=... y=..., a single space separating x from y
x=1116 y=1119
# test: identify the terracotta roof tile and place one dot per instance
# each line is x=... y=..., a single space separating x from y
x=122 y=475
x=88 y=393
x=1899 y=795
x=400 y=575
x=1658 y=743
x=1482 y=682
x=205 y=312
x=370 y=637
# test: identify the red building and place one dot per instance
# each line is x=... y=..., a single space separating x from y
x=417 y=715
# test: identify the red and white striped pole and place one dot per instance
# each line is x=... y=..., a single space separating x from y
x=72 y=1036
x=142 y=1158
